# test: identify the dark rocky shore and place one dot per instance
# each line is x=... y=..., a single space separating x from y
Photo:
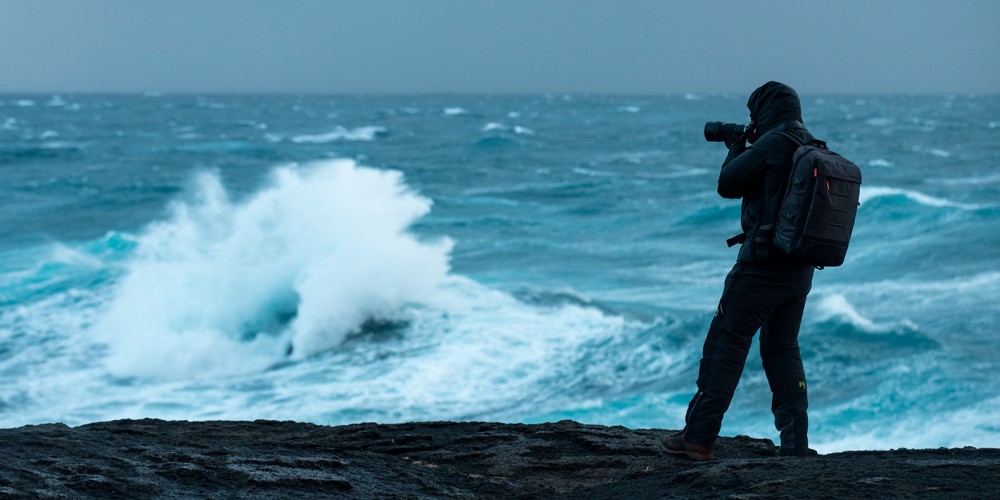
x=155 y=458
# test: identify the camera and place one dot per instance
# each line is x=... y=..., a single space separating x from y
x=720 y=131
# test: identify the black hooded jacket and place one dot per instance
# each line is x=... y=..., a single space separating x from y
x=759 y=174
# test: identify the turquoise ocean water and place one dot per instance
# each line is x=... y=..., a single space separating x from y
x=338 y=259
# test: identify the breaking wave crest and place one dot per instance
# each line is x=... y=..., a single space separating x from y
x=341 y=134
x=230 y=287
x=870 y=193
x=835 y=306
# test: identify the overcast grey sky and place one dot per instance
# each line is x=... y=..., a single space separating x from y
x=403 y=46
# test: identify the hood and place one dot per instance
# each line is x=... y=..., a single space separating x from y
x=773 y=104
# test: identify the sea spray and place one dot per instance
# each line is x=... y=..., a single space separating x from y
x=232 y=287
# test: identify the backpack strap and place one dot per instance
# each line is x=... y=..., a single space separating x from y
x=737 y=240
x=769 y=228
x=799 y=142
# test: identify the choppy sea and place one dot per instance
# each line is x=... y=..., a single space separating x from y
x=338 y=259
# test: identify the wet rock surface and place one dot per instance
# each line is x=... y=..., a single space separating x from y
x=163 y=459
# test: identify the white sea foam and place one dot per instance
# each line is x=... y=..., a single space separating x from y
x=968 y=181
x=869 y=193
x=629 y=109
x=455 y=111
x=880 y=121
x=491 y=126
x=59 y=145
x=56 y=100
x=226 y=287
x=970 y=426
x=469 y=351
x=982 y=286
x=687 y=172
x=879 y=162
x=940 y=153
x=341 y=134
x=67 y=255
x=594 y=173
x=836 y=306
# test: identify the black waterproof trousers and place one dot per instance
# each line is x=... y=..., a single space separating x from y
x=769 y=297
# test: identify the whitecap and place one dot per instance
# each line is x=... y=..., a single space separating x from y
x=933 y=151
x=59 y=145
x=629 y=109
x=968 y=181
x=25 y=102
x=690 y=172
x=341 y=134
x=869 y=193
x=517 y=129
x=64 y=254
x=455 y=111
x=594 y=173
x=880 y=162
x=836 y=306
x=48 y=134
x=974 y=286
x=880 y=121
x=55 y=101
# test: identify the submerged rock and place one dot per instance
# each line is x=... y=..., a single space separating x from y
x=155 y=458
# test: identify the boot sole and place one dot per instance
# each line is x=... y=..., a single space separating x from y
x=701 y=457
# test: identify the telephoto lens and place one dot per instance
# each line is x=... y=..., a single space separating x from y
x=719 y=131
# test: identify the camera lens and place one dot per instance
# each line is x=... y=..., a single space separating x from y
x=713 y=132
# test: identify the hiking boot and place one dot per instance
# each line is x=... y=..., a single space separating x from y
x=797 y=452
x=677 y=445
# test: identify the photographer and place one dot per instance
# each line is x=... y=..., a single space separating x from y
x=765 y=290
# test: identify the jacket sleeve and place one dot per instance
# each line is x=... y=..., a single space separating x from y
x=742 y=171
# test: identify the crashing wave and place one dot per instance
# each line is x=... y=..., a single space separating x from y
x=224 y=286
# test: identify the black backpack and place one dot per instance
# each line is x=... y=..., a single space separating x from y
x=817 y=213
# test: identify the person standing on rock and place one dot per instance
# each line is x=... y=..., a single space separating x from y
x=765 y=290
